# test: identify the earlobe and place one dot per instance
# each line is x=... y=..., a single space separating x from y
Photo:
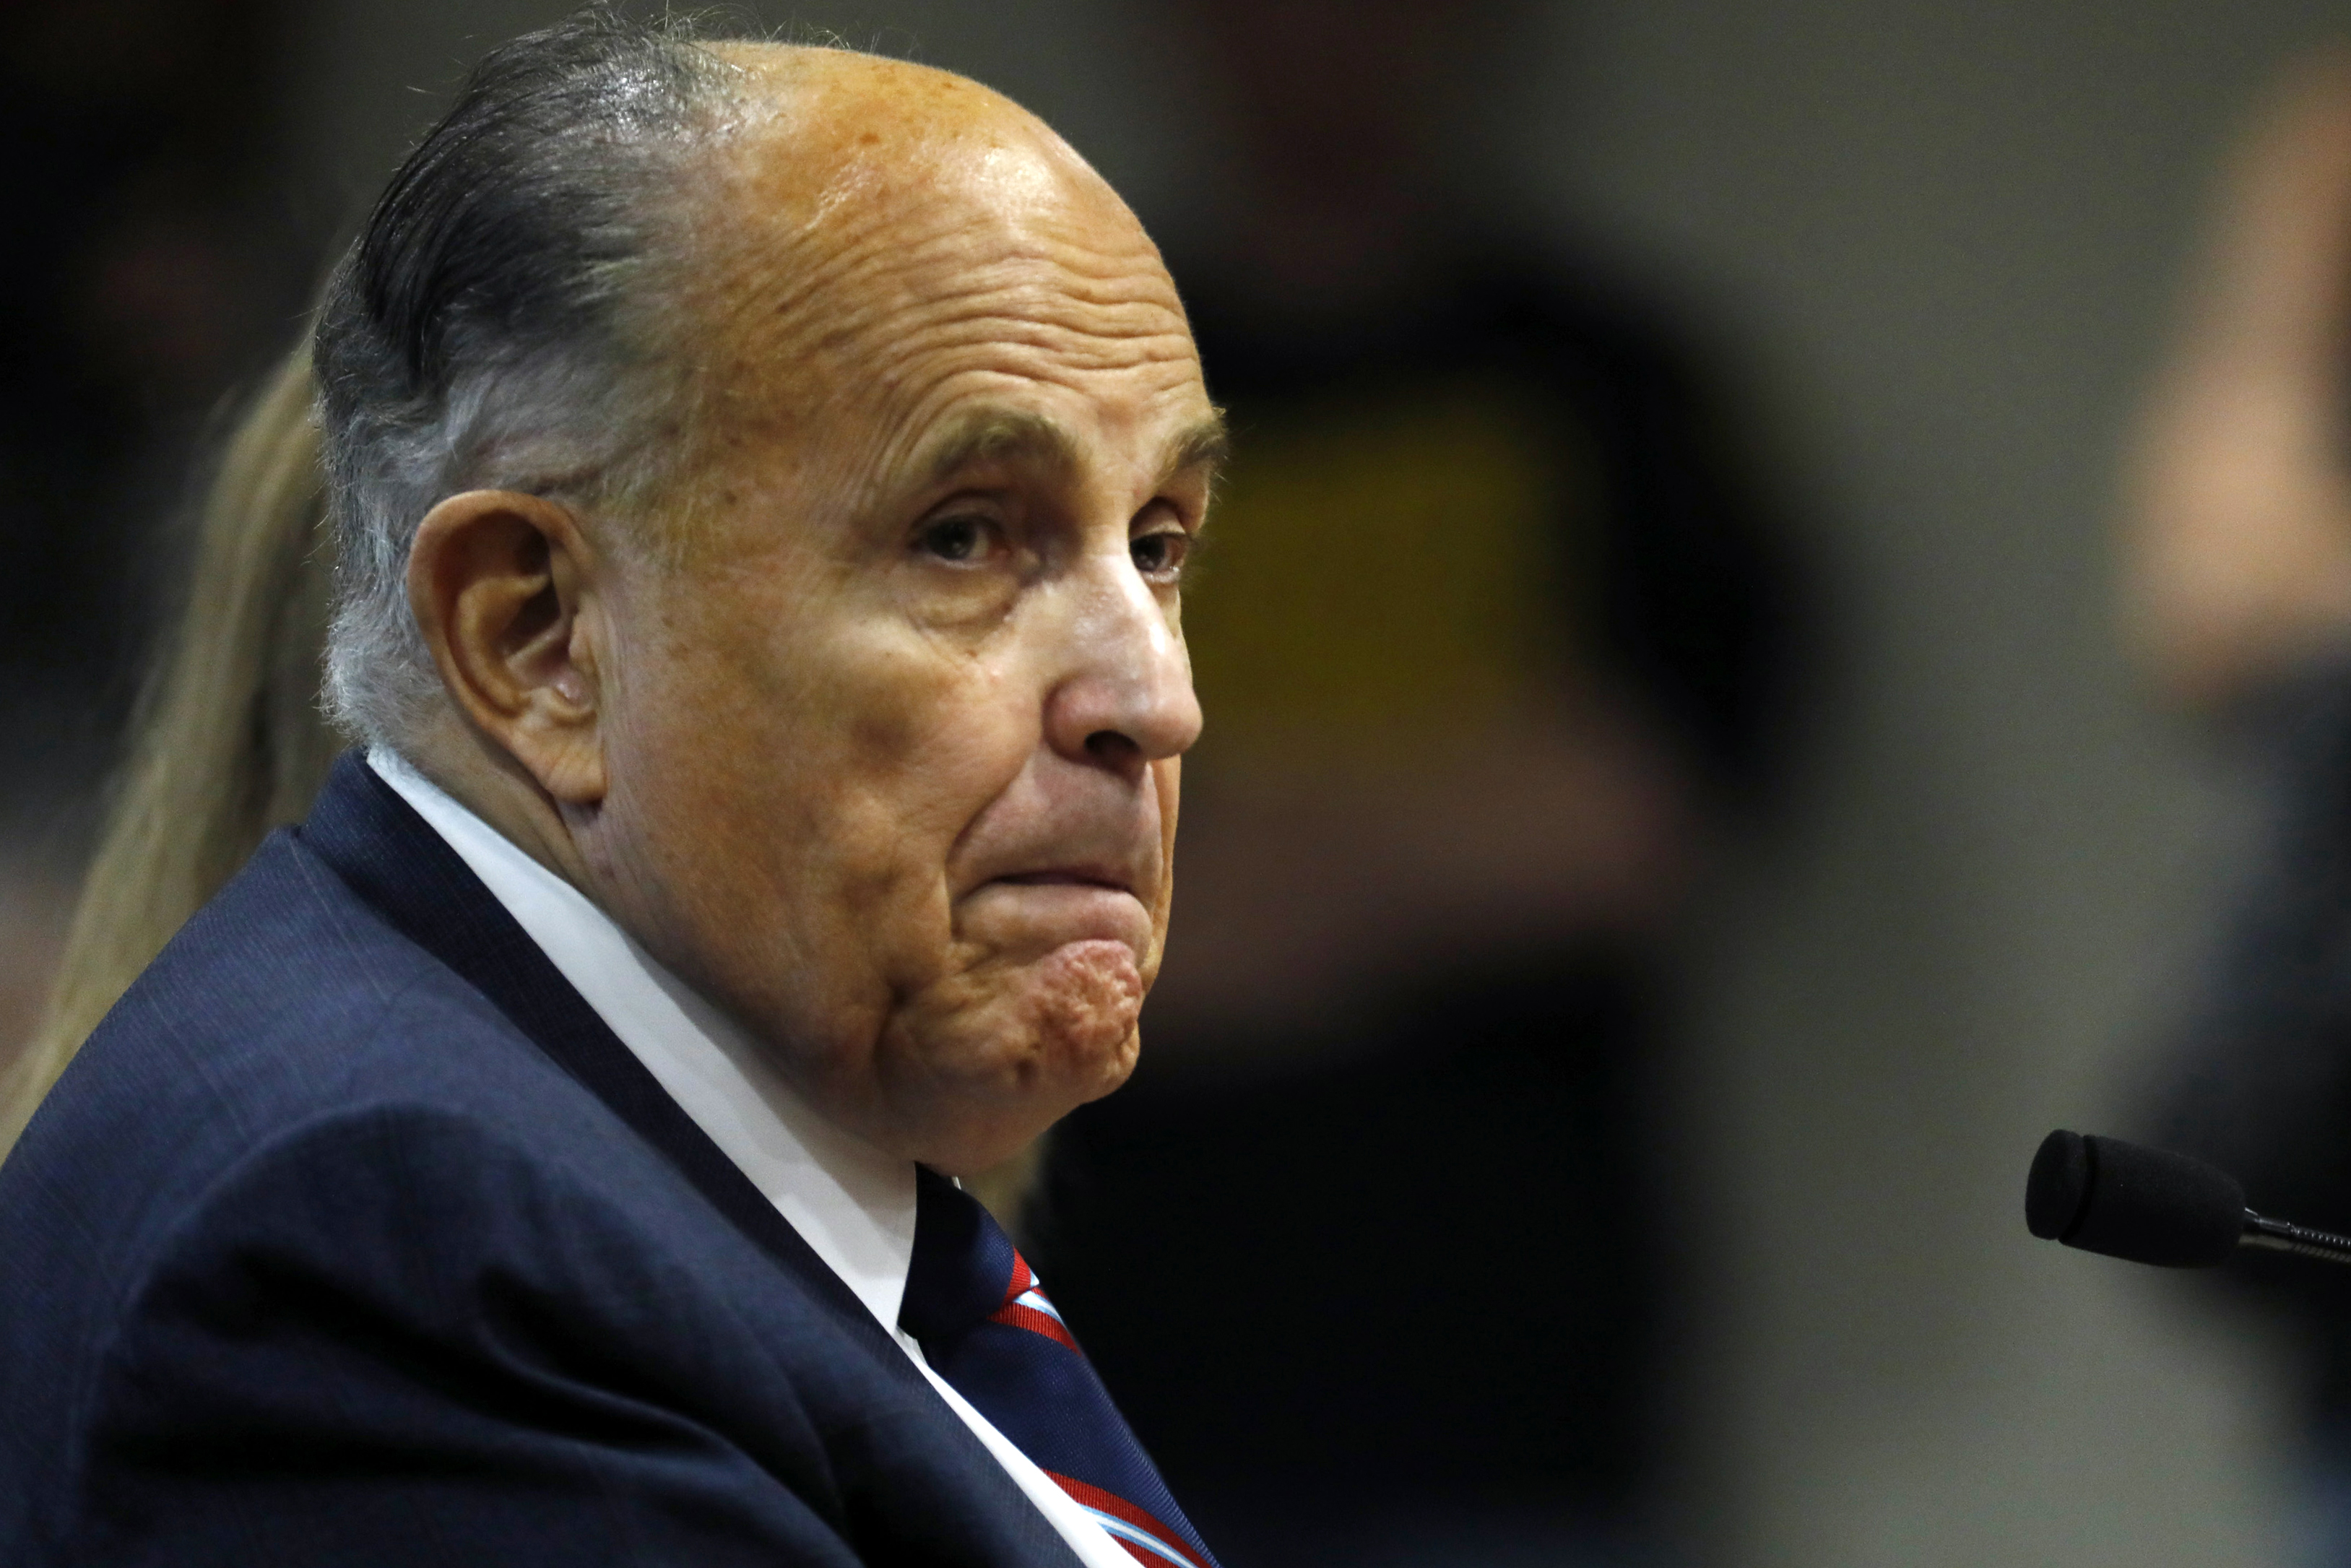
x=504 y=589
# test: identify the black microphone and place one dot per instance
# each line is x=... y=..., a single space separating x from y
x=2150 y=1205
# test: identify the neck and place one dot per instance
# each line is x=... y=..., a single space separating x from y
x=487 y=781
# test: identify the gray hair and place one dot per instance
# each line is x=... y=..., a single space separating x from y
x=488 y=328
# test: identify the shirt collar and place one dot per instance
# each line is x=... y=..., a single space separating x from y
x=853 y=1204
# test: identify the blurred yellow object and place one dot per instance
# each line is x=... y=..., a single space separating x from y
x=1378 y=573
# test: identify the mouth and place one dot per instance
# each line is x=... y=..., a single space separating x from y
x=1102 y=877
x=1046 y=907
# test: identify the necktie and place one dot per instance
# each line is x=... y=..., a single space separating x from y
x=974 y=1305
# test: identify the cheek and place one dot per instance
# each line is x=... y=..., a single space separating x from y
x=809 y=768
x=865 y=758
x=927 y=740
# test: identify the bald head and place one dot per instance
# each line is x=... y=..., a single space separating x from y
x=843 y=110
x=830 y=152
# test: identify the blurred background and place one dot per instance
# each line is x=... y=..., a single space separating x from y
x=1680 y=817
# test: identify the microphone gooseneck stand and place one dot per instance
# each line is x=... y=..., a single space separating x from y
x=2278 y=1235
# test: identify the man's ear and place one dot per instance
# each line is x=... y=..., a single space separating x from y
x=504 y=588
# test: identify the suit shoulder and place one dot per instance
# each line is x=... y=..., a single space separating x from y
x=285 y=1014
x=286 y=996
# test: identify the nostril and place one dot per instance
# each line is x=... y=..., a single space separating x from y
x=1110 y=746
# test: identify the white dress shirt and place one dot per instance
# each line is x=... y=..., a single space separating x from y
x=851 y=1203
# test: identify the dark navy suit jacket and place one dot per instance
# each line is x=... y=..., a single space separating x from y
x=354 y=1237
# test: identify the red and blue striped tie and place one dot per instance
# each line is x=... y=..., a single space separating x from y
x=974 y=1305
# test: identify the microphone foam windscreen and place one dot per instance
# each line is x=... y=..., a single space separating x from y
x=2060 y=1183
x=2147 y=1206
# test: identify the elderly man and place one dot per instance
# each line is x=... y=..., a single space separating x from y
x=764 y=478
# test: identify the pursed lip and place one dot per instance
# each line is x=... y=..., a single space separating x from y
x=1109 y=878
x=1043 y=907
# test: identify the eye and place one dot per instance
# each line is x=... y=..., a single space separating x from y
x=1161 y=553
x=958 y=540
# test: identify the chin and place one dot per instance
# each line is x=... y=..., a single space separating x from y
x=984 y=1069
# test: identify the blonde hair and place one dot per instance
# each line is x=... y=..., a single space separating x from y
x=228 y=742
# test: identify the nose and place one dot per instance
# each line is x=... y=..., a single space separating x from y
x=1124 y=698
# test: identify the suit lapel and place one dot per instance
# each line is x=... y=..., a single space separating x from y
x=392 y=857
x=394 y=861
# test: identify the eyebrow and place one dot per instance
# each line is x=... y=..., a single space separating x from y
x=1206 y=444
x=997 y=434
